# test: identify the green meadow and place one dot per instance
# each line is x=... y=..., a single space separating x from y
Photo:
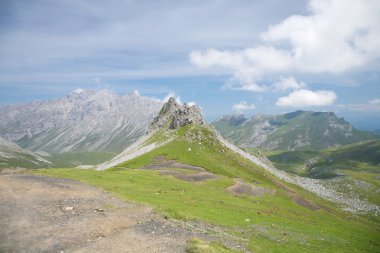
x=271 y=222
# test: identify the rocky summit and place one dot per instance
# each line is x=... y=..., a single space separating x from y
x=174 y=115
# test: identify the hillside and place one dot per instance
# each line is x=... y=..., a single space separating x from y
x=187 y=172
x=298 y=130
x=362 y=156
x=84 y=121
x=352 y=169
x=12 y=156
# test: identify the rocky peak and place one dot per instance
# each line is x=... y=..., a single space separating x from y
x=174 y=115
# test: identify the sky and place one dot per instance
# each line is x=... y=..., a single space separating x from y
x=248 y=56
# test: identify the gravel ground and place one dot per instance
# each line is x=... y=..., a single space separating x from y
x=42 y=214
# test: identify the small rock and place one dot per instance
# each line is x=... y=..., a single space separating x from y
x=69 y=208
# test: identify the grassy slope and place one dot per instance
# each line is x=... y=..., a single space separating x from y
x=363 y=156
x=13 y=156
x=68 y=159
x=269 y=223
x=22 y=161
x=359 y=163
x=72 y=159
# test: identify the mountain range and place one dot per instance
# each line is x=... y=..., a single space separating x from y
x=83 y=121
x=189 y=173
x=90 y=127
x=298 y=130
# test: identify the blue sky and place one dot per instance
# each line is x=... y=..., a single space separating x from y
x=251 y=57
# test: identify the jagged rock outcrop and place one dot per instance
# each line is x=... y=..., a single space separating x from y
x=173 y=115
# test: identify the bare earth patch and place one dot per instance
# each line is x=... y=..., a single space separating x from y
x=240 y=188
x=43 y=214
x=305 y=203
x=298 y=199
x=181 y=171
x=161 y=162
x=194 y=177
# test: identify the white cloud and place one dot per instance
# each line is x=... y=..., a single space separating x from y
x=78 y=91
x=336 y=36
x=304 y=97
x=114 y=38
x=247 y=66
x=172 y=94
x=243 y=106
x=375 y=101
x=136 y=92
x=288 y=83
x=243 y=80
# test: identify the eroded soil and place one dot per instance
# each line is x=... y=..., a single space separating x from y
x=181 y=171
x=240 y=188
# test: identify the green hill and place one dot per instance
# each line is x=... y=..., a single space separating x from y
x=187 y=173
x=298 y=130
x=362 y=156
x=12 y=156
x=352 y=169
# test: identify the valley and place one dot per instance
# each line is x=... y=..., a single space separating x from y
x=190 y=126
x=205 y=194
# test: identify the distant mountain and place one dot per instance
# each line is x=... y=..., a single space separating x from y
x=12 y=156
x=83 y=121
x=292 y=131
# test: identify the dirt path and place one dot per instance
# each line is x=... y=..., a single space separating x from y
x=42 y=214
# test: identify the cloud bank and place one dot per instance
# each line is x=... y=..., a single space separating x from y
x=335 y=37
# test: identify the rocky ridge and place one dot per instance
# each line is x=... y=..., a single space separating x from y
x=173 y=115
x=83 y=121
